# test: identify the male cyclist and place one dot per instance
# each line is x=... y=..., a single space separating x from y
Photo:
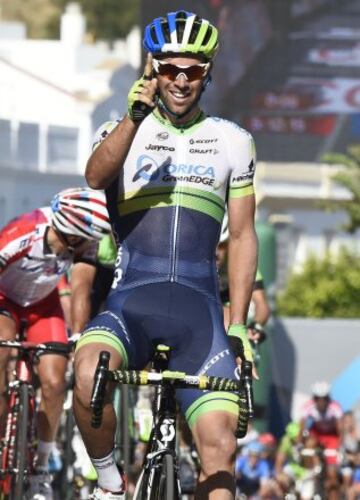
x=36 y=249
x=322 y=418
x=167 y=170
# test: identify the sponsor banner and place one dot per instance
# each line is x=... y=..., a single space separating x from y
x=338 y=95
x=330 y=33
x=302 y=7
x=320 y=125
x=286 y=101
x=349 y=57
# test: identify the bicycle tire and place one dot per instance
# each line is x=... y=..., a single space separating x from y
x=166 y=490
x=163 y=484
x=21 y=446
x=68 y=457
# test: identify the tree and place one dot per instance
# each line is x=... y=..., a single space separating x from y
x=326 y=287
x=349 y=178
x=106 y=19
x=37 y=15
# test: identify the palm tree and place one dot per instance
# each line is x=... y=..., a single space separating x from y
x=349 y=178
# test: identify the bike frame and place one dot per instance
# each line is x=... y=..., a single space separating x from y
x=18 y=466
x=160 y=459
x=163 y=434
x=22 y=375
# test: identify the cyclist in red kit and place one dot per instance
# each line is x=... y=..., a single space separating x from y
x=36 y=250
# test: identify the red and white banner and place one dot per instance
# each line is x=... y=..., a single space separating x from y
x=337 y=95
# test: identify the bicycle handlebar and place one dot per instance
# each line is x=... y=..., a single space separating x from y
x=56 y=348
x=98 y=393
x=178 y=380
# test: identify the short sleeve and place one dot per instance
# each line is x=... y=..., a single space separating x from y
x=243 y=155
x=103 y=131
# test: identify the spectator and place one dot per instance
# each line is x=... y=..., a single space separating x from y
x=354 y=490
x=269 y=443
x=252 y=471
x=350 y=445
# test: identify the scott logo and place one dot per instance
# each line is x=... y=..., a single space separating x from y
x=167 y=430
x=202 y=141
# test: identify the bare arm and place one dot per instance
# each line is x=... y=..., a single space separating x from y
x=242 y=256
x=82 y=277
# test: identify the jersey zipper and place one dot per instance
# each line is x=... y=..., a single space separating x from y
x=181 y=156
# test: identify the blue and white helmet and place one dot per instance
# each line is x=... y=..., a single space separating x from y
x=181 y=32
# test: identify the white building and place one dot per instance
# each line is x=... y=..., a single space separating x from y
x=53 y=96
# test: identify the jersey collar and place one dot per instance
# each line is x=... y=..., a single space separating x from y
x=196 y=121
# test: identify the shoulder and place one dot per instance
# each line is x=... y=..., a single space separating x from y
x=335 y=407
x=18 y=236
x=24 y=224
x=307 y=407
x=229 y=127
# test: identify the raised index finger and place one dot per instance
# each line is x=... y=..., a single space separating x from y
x=148 y=67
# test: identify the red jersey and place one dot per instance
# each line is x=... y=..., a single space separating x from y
x=322 y=423
x=29 y=272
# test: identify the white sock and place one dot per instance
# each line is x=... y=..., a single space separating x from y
x=44 y=449
x=108 y=474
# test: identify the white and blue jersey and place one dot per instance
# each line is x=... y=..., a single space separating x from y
x=166 y=207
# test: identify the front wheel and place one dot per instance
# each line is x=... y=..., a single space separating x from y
x=21 y=446
x=158 y=482
x=167 y=482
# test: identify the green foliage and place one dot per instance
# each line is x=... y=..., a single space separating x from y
x=326 y=287
x=35 y=14
x=349 y=178
x=105 y=19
